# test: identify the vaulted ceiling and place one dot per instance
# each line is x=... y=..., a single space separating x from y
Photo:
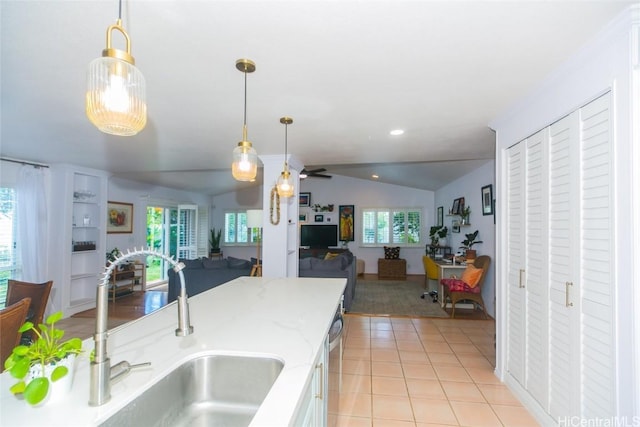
x=348 y=72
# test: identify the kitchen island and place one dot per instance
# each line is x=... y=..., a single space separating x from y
x=285 y=318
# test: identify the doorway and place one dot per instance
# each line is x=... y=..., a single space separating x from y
x=162 y=226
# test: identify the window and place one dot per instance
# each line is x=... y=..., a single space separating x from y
x=399 y=226
x=235 y=229
x=9 y=265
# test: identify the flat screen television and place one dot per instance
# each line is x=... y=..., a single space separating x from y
x=318 y=236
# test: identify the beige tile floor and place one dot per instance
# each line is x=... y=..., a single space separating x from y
x=417 y=372
x=407 y=372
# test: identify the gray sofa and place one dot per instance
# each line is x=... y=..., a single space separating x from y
x=342 y=266
x=203 y=274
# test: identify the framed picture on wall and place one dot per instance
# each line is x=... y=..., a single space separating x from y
x=455 y=226
x=346 y=223
x=119 y=217
x=456 y=207
x=302 y=217
x=304 y=200
x=440 y=216
x=487 y=200
x=319 y=218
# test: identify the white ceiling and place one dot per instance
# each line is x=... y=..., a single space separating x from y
x=348 y=72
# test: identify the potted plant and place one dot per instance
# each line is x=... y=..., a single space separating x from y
x=464 y=215
x=436 y=233
x=214 y=240
x=468 y=244
x=44 y=362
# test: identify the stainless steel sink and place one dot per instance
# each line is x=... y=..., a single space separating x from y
x=217 y=390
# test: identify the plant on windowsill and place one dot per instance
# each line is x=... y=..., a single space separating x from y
x=468 y=244
x=214 y=240
x=46 y=362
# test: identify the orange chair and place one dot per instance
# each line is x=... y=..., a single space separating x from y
x=11 y=318
x=39 y=294
x=456 y=290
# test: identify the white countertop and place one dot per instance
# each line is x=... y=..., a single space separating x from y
x=286 y=318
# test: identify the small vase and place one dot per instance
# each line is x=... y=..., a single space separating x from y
x=57 y=389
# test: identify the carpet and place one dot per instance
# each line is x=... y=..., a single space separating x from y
x=394 y=297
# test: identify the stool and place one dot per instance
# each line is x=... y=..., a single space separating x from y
x=256 y=270
x=392 y=269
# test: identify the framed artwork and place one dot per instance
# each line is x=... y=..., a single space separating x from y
x=456 y=207
x=119 y=217
x=302 y=217
x=304 y=200
x=440 y=215
x=487 y=200
x=346 y=223
x=455 y=226
x=319 y=218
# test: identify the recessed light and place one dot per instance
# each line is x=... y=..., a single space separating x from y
x=374 y=176
x=396 y=132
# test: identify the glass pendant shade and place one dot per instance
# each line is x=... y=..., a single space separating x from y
x=245 y=162
x=285 y=185
x=116 y=95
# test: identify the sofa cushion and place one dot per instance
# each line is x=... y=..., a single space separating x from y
x=214 y=263
x=338 y=263
x=192 y=264
x=391 y=253
x=305 y=264
x=237 y=263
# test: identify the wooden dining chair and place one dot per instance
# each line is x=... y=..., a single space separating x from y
x=11 y=318
x=39 y=294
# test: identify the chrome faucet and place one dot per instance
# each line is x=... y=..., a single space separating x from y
x=101 y=372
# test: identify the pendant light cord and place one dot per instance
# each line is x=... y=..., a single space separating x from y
x=286 y=134
x=120 y=9
x=245 y=98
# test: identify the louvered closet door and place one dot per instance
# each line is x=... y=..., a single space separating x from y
x=598 y=368
x=536 y=264
x=516 y=339
x=563 y=228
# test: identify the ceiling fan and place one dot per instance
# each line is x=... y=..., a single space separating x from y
x=313 y=173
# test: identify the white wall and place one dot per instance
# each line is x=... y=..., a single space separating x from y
x=469 y=187
x=341 y=190
x=143 y=195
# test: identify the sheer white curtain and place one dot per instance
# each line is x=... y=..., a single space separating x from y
x=32 y=223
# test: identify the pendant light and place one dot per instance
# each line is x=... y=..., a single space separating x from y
x=245 y=158
x=116 y=99
x=285 y=182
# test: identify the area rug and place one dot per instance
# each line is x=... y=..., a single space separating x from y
x=394 y=297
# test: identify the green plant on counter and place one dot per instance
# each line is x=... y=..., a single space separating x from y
x=47 y=350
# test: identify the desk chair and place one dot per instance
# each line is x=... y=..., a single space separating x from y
x=431 y=272
x=39 y=294
x=11 y=318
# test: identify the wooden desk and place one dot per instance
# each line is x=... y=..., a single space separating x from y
x=452 y=269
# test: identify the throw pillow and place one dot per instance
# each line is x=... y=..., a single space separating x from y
x=330 y=255
x=471 y=275
x=391 y=253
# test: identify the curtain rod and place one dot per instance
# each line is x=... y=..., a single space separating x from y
x=23 y=162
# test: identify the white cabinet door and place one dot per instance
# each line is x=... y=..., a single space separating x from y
x=516 y=344
x=596 y=257
x=536 y=261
